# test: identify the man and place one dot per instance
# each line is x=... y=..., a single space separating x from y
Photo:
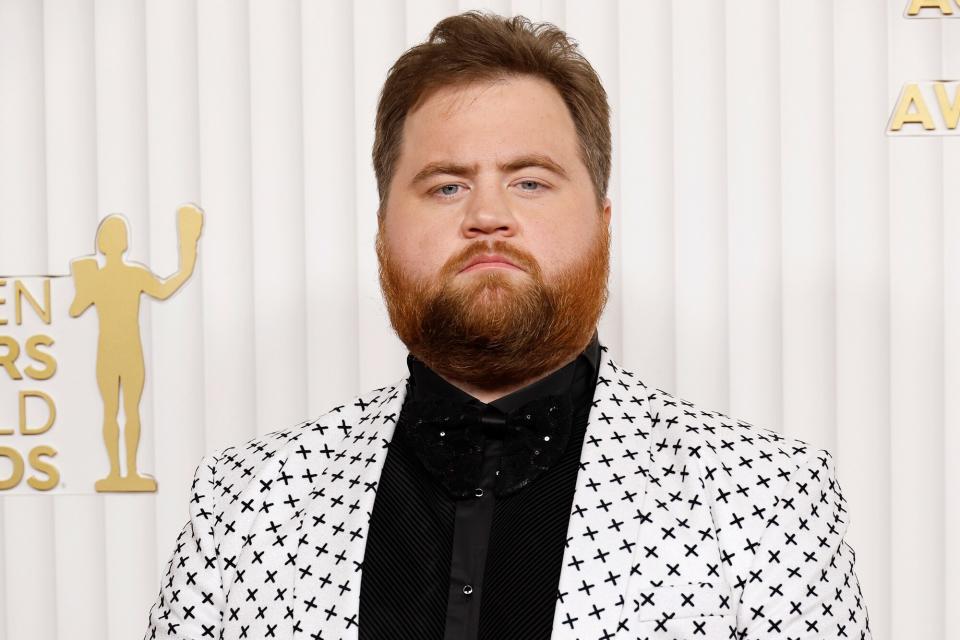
x=520 y=483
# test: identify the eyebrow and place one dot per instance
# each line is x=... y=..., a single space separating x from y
x=520 y=162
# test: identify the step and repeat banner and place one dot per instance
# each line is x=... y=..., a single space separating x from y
x=187 y=214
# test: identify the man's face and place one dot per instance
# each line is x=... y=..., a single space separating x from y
x=491 y=171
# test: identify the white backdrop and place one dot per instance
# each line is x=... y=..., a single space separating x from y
x=777 y=257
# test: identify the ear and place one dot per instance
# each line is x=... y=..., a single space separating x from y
x=607 y=210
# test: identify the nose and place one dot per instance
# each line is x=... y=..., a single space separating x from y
x=488 y=213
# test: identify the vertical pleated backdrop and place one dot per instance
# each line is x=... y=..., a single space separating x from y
x=776 y=256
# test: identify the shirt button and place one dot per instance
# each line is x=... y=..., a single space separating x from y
x=478 y=492
x=467 y=589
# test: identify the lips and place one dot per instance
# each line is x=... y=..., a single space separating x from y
x=488 y=262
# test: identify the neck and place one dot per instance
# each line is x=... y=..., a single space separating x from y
x=487 y=395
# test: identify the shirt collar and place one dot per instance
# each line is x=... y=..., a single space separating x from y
x=580 y=374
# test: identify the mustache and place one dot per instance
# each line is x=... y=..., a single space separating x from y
x=517 y=256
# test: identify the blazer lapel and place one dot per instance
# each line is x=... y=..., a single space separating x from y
x=332 y=531
x=607 y=508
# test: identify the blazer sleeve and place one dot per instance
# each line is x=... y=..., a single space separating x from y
x=190 y=603
x=802 y=583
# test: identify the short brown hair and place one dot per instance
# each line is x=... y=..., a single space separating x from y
x=479 y=46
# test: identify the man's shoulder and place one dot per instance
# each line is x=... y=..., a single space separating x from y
x=264 y=457
x=722 y=436
x=746 y=479
x=687 y=430
x=263 y=484
x=733 y=459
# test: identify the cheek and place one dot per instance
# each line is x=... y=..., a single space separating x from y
x=401 y=241
x=419 y=255
x=556 y=247
x=419 y=243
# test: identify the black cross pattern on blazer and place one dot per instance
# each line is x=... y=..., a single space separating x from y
x=685 y=524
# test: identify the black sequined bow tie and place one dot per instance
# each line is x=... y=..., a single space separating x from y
x=448 y=437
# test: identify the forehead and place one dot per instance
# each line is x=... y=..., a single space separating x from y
x=490 y=120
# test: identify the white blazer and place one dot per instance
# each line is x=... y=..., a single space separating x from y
x=685 y=523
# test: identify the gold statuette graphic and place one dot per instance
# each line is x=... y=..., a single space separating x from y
x=114 y=290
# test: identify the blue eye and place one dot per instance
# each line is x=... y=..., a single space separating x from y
x=448 y=190
x=530 y=185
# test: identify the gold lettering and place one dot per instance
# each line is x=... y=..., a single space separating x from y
x=20 y=292
x=950 y=110
x=8 y=360
x=903 y=115
x=17 y=463
x=942 y=5
x=51 y=364
x=53 y=475
x=52 y=413
x=3 y=283
x=10 y=431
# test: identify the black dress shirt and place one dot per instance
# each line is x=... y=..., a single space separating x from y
x=482 y=567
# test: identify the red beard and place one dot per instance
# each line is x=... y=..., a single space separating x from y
x=494 y=331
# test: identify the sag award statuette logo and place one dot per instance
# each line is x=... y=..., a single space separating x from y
x=114 y=289
x=98 y=363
